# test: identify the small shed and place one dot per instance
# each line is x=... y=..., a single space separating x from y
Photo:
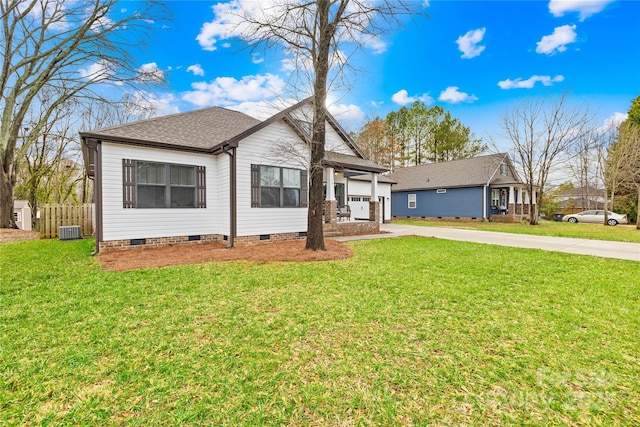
x=22 y=214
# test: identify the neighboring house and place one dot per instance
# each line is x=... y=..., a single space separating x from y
x=479 y=188
x=214 y=175
x=579 y=199
x=22 y=214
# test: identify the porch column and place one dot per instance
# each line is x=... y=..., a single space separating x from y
x=511 y=206
x=374 y=204
x=330 y=204
x=331 y=187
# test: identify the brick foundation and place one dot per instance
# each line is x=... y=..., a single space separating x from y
x=343 y=229
x=264 y=238
x=115 y=245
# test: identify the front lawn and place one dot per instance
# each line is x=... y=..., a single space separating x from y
x=619 y=233
x=410 y=331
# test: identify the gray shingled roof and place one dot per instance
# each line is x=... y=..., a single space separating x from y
x=206 y=129
x=472 y=172
x=351 y=162
x=367 y=178
x=200 y=129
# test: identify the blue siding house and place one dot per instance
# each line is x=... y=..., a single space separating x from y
x=480 y=188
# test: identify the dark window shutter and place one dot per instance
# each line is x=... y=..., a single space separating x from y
x=201 y=187
x=304 y=189
x=128 y=183
x=255 y=186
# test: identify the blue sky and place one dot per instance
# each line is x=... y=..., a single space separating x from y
x=475 y=58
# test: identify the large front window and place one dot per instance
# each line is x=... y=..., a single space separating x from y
x=162 y=185
x=280 y=187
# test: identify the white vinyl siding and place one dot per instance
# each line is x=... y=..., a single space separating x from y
x=121 y=224
x=266 y=147
x=335 y=143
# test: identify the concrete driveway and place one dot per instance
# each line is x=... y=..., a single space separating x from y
x=601 y=248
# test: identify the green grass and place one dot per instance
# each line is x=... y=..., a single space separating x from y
x=620 y=233
x=409 y=331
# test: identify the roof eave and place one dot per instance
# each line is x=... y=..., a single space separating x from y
x=142 y=142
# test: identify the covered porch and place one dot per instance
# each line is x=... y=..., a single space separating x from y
x=509 y=203
x=338 y=214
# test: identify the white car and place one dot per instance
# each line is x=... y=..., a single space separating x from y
x=596 y=217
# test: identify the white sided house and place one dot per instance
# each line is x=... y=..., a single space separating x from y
x=215 y=175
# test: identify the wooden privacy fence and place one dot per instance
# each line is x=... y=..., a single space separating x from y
x=52 y=217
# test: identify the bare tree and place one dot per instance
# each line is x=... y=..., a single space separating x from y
x=65 y=48
x=542 y=133
x=321 y=35
x=623 y=162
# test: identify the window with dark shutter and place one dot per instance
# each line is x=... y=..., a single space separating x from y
x=277 y=187
x=128 y=184
x=163 y=185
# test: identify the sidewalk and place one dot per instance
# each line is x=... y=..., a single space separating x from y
x=601 y=248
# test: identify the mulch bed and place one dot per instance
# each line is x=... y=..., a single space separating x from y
x=289 y=251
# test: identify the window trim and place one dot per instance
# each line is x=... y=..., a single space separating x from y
x=256 y=187
x=130 y=185
x=412 y=199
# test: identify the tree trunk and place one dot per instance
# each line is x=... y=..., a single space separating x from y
x=533 y=211
x=6 y=200
x=315 y=232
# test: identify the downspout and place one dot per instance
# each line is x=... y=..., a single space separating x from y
x=97 y=194
x=486 y=187
x=232 y=197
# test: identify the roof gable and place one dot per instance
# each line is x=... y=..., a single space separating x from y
x=473 y=172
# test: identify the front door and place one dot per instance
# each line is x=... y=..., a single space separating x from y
x=340 y=196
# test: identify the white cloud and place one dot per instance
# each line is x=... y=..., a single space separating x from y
x=256 y=58
x=101 y=24
x=196 y=69
x=350 y=116
x=530 y=82
x=150 y=73
x=402 y=97
x=612 y=122
x=229 y=22
x=558 y=41
x=453 y=95
x=468 y=44
x=145 y=104
x=99 y=71
x=226 y=91
x=585 y=8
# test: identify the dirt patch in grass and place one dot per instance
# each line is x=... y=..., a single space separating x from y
x=291 y=251
x=9 y=235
